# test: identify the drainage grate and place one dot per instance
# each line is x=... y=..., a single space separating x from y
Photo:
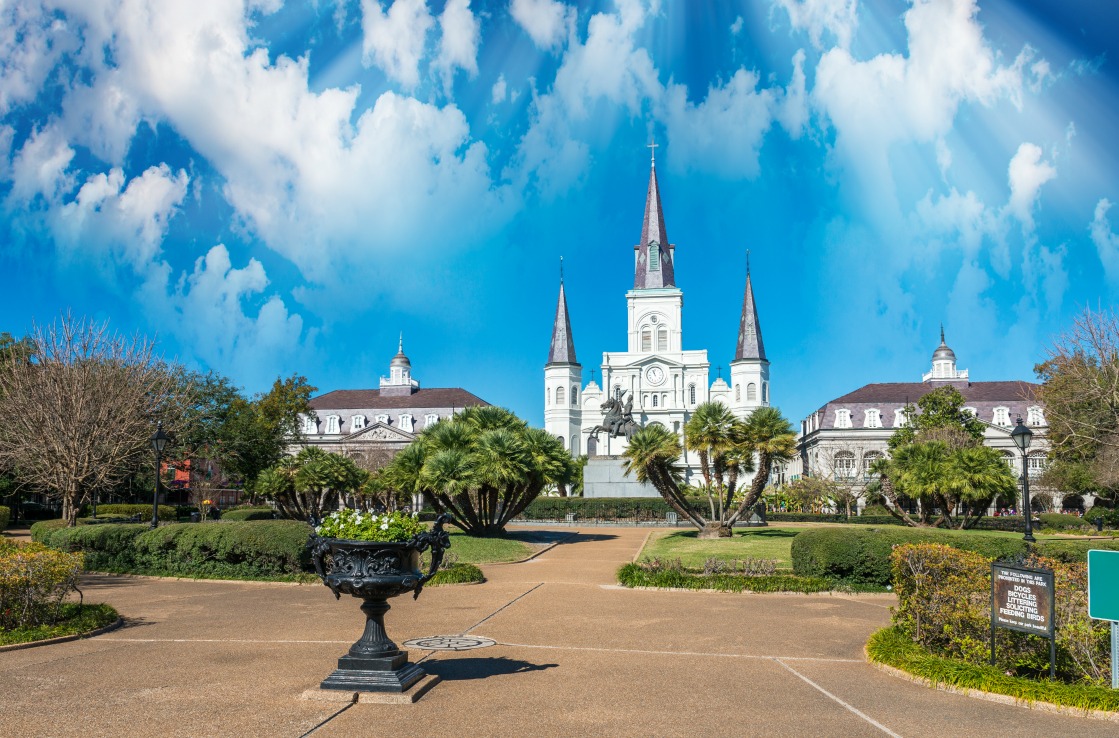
x=450 y=643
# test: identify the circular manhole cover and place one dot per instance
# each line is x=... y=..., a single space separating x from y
x=450 y=643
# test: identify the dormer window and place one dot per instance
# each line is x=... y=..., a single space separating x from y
x=384 y=419
x=872 y=419
x=842 y=418
x=310 y=424
x=406 y=422
x=357 y=422
x=1002 y=417
x=901 y=418
x=430 y=419
x=654 y=256
x=1034 y=416
x=332 y=423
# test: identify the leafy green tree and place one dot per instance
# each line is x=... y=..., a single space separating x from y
x=481 y=467
x=709 y=433
x=1080 y=393
x=762 y=439
x=938 y=461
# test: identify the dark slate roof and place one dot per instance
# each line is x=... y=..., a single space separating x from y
x=1015 y=395
x=750 y=344
x=371 y=399
x=652 y=229
x=563 y=345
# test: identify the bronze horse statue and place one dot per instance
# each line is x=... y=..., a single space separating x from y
x=618 y=419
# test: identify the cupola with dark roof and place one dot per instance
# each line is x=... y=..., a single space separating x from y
x=944 y=365
x=653 y=265
x=399 y=381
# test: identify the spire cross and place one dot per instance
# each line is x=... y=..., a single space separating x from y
x=561 y=270
x=720 y=370
x=652 y=146
x=747 y=262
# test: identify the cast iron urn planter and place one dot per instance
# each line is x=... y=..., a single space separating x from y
x=375 y=571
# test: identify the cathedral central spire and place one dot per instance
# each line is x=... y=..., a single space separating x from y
x=654 y=255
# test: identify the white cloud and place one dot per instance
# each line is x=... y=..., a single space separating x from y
x=498 y=91
x=40 y=168
x=1026 y=174
x=547 y=22
x=724 y=132
x=792 y=108
x=211 y=319
x=102 y=117
x=128 y=222
x=736 y=27
x=839 y=18
x=458 y=46
x=395 y=41
x=1106 y=241
x=33 y=41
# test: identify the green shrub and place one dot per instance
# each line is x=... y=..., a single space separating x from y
x=73 y=618
x=1059 y=522
x=457 y=573
x=1110 y=516
x=862 y=556
x=590 y=508
x=41 y=531
x=248 y=513
x=864 y=519
x=944 y=604
x=33 y=582
x=636 y=575
x=113 y=510
x=877 y=511
x=239 y=549
x=1072 y=551
x=5 y=517
x=107 y=547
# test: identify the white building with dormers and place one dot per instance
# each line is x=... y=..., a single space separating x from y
x=665 y=381
x=372 y=425
x=844 y=437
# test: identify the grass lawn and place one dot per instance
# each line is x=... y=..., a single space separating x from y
x=512 y=547
x=760 y=543
x=753 y=543
x=74 y=620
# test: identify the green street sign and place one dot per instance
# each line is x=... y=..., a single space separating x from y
x=1103 y=585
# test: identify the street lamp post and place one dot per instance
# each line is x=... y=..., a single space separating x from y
x=1022 y=436
x=159 y=442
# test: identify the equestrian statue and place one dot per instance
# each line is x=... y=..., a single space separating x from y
x=618 y=419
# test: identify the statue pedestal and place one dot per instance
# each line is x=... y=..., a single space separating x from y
x=605 y=476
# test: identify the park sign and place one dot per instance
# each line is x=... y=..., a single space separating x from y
x=1022 y=599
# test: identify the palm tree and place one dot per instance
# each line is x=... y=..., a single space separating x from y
x=708 y=433
x=654 y=451
x=482 y=467
x=975 y=477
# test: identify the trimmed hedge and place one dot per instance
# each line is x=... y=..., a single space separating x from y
x=610 y=508
x=240 y=549
x=635 y=575
x=249 y=513
x=107 y=547
x=41 y=531
x=1110 y=516
x=862 y=556
x=114 y=510
x=5 y=517
x=795 y=517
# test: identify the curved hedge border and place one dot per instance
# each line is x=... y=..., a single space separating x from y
x=79 y=621
x=892 y=648
x=862 y=556
x=242 y=514
x=633 y=575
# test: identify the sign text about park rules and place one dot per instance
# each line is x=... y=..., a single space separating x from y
x=1022 y=600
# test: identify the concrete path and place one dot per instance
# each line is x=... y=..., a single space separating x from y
x=576 y=656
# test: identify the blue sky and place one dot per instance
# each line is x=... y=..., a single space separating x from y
x=274 y=188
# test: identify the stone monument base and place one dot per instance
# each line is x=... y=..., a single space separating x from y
x=605 y=476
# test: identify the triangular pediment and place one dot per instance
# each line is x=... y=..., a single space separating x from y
x=381 y=433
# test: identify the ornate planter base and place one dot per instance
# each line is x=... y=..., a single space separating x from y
x=393 y=674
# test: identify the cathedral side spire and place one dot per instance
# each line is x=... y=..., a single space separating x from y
x=563 y=345
x=750 y=344
x=653 y=267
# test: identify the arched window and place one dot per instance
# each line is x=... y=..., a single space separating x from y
x=1011 y=462
x=844 y=465
x=869 y=458
x=563 y=442
x=751 y=392
x=662 y=339
x=1036 y=463
x=575 y=444
x=332 y=423
x=559 y=395
x=737 y=392
x=765 y=391
x=547 y=395
x=654 y=256
x=406 y=422
x=691 y=394
x=618 y=391
x=430 y=419
x=654 y=400
x=574 y=395
x=646 y=340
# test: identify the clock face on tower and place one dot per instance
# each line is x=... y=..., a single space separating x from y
x=655 y=375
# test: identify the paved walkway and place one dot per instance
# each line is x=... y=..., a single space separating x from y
x=576 y=656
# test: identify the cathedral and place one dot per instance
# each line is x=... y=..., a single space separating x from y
x=655 y=378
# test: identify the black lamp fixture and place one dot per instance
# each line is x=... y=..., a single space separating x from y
x=1022 y=436
x=159 y=441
